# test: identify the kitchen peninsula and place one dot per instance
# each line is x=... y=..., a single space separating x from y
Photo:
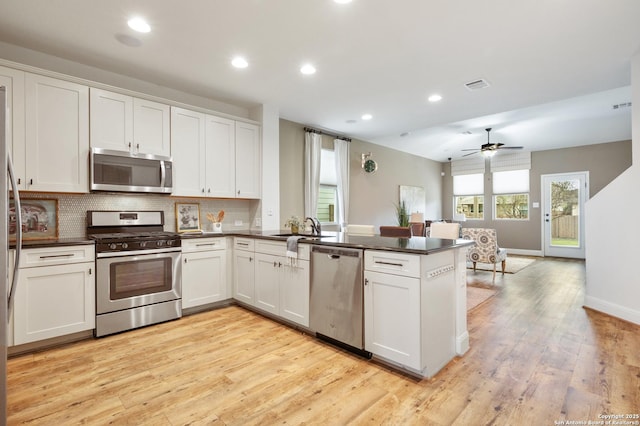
x=414 y=292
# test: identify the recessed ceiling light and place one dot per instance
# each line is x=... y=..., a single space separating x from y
x=239 y=62
x=351 y=121
x=342 y=1
x=367 y=116
x=404 y=134
x=435 y=98
x=308 y=69
x=138 y=24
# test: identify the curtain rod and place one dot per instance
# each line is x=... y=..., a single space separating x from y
x=344 y=138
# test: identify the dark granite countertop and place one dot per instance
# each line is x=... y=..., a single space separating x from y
x=418 y=245
x=53 y=242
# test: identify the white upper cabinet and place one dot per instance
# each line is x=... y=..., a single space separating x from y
x=56 y=135
x=248 y=164
x=13 y=81
x=221 y=155
x=187 y=145
x=125 y=123
x=214 y=156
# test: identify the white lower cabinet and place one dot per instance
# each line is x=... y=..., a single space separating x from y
x=268 y=282
x=282 y=288
x=409 y=309
x=266 y=279
x=244 y=274
x=204 y=271
x=392 y=317
x=56 y=296
x=294 y=292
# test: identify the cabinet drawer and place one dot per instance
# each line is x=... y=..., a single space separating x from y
x=279 y=248
x=203 y=244
x=403 y=264
x=246 y=244
x=46 y=256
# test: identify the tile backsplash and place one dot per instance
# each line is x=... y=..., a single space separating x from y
x=72 y=209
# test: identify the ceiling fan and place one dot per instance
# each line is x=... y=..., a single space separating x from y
x=489 y=149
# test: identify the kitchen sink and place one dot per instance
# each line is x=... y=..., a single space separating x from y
x=306 y=237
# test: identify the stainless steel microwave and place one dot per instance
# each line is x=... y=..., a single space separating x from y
x=122 y=171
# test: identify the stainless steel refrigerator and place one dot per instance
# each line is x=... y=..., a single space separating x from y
x=7 y=280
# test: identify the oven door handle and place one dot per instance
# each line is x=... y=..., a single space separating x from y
x=136 y=252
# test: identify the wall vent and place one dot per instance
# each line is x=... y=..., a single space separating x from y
x=477 y=84
x=622 y=105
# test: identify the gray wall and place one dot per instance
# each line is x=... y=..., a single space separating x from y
x=604 y=162
x=372 y=196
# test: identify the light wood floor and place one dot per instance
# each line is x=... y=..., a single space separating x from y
x=536 y=357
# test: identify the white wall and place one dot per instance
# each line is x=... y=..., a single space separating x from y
x=612 y=246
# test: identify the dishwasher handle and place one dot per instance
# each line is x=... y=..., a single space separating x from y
x=337 y=252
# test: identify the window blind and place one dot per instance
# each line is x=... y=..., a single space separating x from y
x=511 y=182
x=468 y=167
x=513 y=161
x=468 y=184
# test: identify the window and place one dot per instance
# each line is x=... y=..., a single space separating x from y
x=511 y=194
x=328 y=187
x=468 y=199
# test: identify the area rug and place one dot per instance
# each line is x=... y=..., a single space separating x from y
x=478 y=295
x=514 y=264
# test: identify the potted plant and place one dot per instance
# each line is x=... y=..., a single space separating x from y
x=294 y=222
x=402 y=214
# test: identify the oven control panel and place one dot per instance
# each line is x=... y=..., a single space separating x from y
x=134 y=245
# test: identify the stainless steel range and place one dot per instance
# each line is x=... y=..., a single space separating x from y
x=138 y=270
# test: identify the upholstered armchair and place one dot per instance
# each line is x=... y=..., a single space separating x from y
x=450 y=231
x=486 y=249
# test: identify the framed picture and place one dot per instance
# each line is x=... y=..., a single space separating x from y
x=39 y=219
x=187 y=217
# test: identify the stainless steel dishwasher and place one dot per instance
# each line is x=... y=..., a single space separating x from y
x=336 y=306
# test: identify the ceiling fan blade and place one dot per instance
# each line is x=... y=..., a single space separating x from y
x=472 y=149
x=471 y=153
x=511 y=147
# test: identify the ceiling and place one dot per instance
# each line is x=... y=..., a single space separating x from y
x=555 y=68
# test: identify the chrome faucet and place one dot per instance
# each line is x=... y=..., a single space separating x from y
x=315 y=225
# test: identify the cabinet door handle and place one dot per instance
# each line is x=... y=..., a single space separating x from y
x=238 y=192
x=138 y=146
x=19 y=180
x=57 y=255
x=203 y=190
x=209 y=190
x=31 y=181
x=185 y=260
x=206 y=245
x=89 y=271
x=275 y=263
x=366 y=281
x=129 y=145
x=279 y=264
x=389 y=263
x=250 y=259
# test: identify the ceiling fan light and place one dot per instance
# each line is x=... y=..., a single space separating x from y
x=489 y=153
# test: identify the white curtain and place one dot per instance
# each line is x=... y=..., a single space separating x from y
x=341 y=150
x=312 y=154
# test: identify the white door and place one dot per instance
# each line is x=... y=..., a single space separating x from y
x=563 y=198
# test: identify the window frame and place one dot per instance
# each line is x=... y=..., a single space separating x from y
x=469 y=218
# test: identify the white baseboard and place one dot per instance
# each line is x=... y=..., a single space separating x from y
x=612 y=309
x=522 y=252
x=462 y=343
